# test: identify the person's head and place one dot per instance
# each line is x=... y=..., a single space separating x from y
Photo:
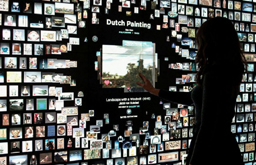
x=218 y=45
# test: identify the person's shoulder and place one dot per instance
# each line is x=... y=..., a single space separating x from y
x=224 y=74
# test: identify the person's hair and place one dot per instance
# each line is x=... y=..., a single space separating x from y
x=218 y=45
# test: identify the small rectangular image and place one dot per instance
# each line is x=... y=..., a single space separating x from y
x=41 y=104
x=217 y=3
x=18 y=34
x=39 y=49
x=3 y=89
x=204 y=12
x=189 y=10
x=61 y=118
x=61 y=130
x=29 y=132
x=15 y=147
x=152 y=159
x=49 y=9
x=67 y=96
x=4 y=6
x=32 y=63
x=46 y=158
x=23 y=21
x=38 y=145
x=27 y=118
x=33 y=35
x=168 y=157
x=38 y=8
x=70 y=18
x=48 y=36
x=38 y=118
x=16 y=104
x=166 y=3
x=40 y=131
x=5 y=120
x=246 y=17
x=193 y=2
x=15 y=133
x=51 y=104
x=205 y=3
x=13 y=90
x=55 y=22
x=55 y=49
x=49 y=144
x=64 y=8
x=72 y=120
x=36 y=25
x=60 y=143
x=50 y=117
x=25 y=90
x=3 y=134
x=240 y=118
x=16 y=119
x=51 y=130
x=6 y=34
x=5 y=48
x=237 y=5
x=40 y=90
x=173 y=145
x=247 y=7
x=32 y=77
x=27 y=49
x=60 y=157
x=16 y=48
x=10 y=20
x=237 y=16
x=22 y=63
x=182 y=19
x=18 y=158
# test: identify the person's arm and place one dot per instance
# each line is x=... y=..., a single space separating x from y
x=216 y=98
x=174 y=97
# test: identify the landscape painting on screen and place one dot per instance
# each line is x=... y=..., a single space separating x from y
x=122 y=63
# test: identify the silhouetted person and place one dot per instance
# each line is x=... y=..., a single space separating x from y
x=221 y=64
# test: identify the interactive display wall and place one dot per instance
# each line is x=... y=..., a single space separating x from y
x=69 y=68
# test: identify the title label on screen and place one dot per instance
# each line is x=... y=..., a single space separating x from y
x=128 y=23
